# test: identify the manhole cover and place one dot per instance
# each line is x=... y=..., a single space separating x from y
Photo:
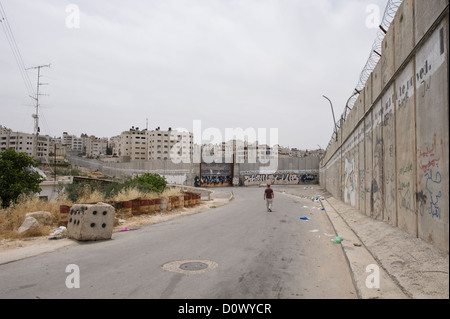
x=193 y=266
x=190 y=267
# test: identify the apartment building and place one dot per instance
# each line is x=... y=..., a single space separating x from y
x=20 y=142
x=132 y=145
x=44 y=148
x=114 y=144
x=145 y=145
x=24 y=143
x=96 y=146
x=162 y=143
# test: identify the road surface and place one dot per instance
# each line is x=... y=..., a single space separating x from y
x=248 y=254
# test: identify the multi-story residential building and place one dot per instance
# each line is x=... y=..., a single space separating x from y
x=20 y=142
x=96 y=146
x=24 y=143
x=132 y=145
x=114 y=144
x=162 y=143
x=145 y=145
x=44 y=148
x=67 y=139
x=4 y=130
x=78 y=144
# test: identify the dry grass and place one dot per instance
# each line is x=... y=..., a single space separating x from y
x=175 y=191
x=12 y=218
x=127 y=194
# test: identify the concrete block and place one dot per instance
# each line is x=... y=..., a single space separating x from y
x=426 y=12
x=404 y=31
x=389 y=173
x=368 y=93
x=361 y=167
x=91 y=222
x=388 y=57
x=432 y=127
x=406 y=151
x=376 y=85
x=377 y=186
x=368 y=136
x=360 y=107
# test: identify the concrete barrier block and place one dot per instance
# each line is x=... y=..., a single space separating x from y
x=404 y=31
x=90 y=221
x=388 y=66
x=360 y=107
x=376 y=86
x=367 y=93
x=426 y=12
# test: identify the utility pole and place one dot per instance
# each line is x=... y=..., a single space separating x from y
x=36 y=115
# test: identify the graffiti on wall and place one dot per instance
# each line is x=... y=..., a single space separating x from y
x=215 y=180
x=277 y=179
x=350 y=182
x=430 y=178
x=215 y=174
x=404 y=177
x=176 y=179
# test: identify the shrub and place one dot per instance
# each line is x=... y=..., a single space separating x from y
x=149 y=183
x=17 y=176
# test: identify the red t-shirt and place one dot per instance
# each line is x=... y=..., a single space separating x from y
x=269 y=193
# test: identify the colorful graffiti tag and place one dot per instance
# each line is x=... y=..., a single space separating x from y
x=277 y=179
x=430 y=180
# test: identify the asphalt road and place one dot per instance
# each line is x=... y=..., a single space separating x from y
x=249 y=253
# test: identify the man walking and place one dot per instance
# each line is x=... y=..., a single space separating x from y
x=268 y=197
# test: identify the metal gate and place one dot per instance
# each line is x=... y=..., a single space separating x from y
x=216 y=175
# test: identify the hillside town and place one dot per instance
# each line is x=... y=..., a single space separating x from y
x=131 y=145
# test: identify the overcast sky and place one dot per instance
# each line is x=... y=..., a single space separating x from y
x=255 y=64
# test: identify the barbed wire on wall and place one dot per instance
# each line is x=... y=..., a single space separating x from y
x=372 y=61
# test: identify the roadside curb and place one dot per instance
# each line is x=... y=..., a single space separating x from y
x=417 y=269
x=362 y=262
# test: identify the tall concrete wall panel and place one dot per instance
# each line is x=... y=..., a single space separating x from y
x=404 y=31
x=390 y=160
x=377 y=190
x=368 y=158
x=426 y=13
x=376 y=86
x=432 y=136
x=389 y=153
x=405 y=151
x=388 y=58
x=361 y=165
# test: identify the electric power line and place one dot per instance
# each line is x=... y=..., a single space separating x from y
x=15 y=50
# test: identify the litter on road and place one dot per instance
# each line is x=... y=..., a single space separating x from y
x=59 y=231
x=337 y=239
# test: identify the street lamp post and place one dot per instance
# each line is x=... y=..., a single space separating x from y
x=332 y=111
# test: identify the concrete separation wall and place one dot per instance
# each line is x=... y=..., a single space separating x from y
x=289 y=171
x=390 y=157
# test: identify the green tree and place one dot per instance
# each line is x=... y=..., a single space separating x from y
x=17 y=176
x=150 y=183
